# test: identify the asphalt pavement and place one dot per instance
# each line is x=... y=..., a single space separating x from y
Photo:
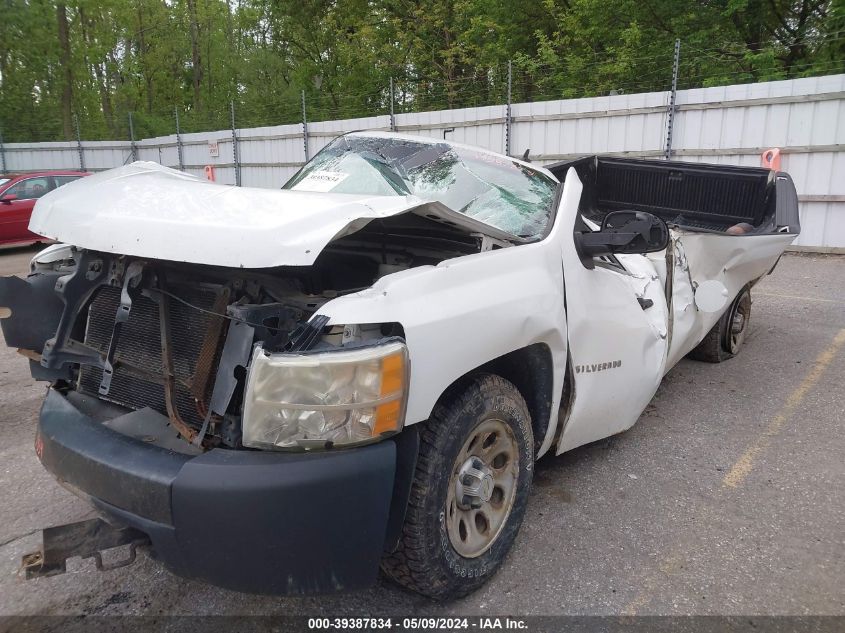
x=727 y=497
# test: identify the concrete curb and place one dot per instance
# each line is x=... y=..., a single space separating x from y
x=823 y=250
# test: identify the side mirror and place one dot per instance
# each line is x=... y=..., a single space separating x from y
x=7 y=199
x=623 y=233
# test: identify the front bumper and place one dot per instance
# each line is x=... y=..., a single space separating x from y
x=262 y=522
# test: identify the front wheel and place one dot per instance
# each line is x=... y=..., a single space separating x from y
x=469 y=493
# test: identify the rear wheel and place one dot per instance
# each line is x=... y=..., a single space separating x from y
x=726 y=338
x=469 y=492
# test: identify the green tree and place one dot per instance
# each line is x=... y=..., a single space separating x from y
x=99 y=60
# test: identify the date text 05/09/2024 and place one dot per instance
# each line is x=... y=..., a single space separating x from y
x=422 y=624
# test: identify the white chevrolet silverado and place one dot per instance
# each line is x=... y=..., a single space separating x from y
x=284 y=391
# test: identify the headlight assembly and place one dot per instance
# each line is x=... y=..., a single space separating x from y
x=325 y=399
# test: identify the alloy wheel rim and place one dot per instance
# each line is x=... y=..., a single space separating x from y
x=738 y=325
x=482 y=488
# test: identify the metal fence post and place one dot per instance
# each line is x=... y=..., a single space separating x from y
x=508 y=112
x=304 y=128
x=79 y=143
x=178 y=140
x=132 y=148
x=670 y=123
x=2 y=153
x=392 y=115
x=235 y=153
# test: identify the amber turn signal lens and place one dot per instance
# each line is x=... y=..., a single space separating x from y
x=389 y=414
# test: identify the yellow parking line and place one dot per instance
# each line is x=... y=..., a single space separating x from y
x=745 y=463
x=668 y=566
x=673 y=561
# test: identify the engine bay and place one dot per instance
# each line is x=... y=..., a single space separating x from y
x=175 y=338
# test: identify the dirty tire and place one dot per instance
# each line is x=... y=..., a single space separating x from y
x=724 y=341
x=425 y=560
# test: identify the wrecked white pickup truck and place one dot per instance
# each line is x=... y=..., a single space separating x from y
x=284 y=391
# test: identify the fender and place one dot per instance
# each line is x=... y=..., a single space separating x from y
x=466 y=312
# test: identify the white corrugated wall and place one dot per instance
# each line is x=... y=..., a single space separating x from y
x=804 y=118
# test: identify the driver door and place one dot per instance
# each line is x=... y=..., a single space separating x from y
x=616 y=316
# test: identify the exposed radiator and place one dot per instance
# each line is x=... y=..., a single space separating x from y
x=139 y=348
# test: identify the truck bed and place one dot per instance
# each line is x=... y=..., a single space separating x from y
x=693 y=196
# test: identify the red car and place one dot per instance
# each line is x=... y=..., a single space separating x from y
x=18 y=193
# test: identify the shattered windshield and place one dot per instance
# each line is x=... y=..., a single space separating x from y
x=490 y=188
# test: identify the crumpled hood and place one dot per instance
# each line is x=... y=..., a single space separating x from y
x=146 y=210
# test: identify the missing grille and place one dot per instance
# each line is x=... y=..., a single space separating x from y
x=138 y=374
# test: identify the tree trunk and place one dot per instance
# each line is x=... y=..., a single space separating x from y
x=87 y=23
x=196 y=60
x=142 y=54
x=67 y=75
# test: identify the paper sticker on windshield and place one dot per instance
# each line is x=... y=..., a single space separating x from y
x=320 y=181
